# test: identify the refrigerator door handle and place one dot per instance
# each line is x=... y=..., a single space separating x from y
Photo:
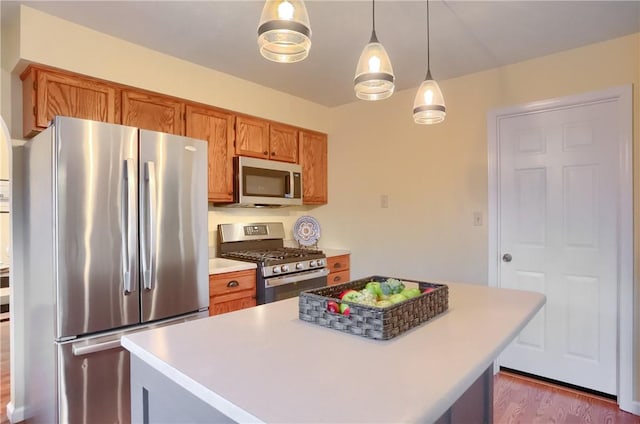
x=149 y=250
x=129 y=251
x=79 y=350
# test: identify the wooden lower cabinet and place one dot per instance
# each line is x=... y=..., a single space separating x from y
x=338 y=269
x=338 y=277
x=232 y=291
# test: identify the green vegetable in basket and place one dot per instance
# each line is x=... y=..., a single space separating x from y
x=385 y=289
x=396 y=285
x=410 y=293
x=397 y=298
x=365 y=298
x=373 y=287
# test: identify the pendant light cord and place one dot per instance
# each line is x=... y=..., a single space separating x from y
x=373 y=15
x=374 y=37
x=428 y=58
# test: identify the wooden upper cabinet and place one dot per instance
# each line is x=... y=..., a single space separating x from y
x=283 y=143
x=313 y=158
x=152 y=112
x=215 y=126
x=258 y=138
x=47 y=93
x=252 y=137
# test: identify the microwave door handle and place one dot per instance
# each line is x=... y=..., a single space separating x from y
x=288 y=185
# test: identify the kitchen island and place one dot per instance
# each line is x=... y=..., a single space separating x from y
x=263 y=364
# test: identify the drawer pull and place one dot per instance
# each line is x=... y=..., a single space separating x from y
x=233 y=283
x=337 y=278
x=337 y=265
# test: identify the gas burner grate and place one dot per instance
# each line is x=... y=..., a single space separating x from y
x=281 y=253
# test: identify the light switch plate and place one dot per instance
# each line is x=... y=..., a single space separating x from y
x=477 y=219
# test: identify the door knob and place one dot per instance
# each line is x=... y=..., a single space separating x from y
x=507 y=257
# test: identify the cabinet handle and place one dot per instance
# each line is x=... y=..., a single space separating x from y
x=233 y=283
x=337 y=265
x=337 y=278
x=265 y=153
x=273 y=153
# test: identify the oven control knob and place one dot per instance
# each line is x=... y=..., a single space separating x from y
x=320 y=262
x=284 y=268
x=298 y=265
x=276 y=269
x=312 y=262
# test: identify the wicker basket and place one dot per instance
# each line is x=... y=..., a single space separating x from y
x=370 y=321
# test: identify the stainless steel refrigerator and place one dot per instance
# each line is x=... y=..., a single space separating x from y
x=116 y=241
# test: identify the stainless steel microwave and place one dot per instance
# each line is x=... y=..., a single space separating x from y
x=260 y=182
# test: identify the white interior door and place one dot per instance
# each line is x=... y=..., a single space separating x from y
x=558 y=208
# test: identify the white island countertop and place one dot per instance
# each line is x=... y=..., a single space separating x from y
x=264 y=364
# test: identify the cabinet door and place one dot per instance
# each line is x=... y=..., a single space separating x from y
x=152 y=112
x=313 y=158
x=216 y=127
x=252 y=138
x=283 y=143
x=49 y=93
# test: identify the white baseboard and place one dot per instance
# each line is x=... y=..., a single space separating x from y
x=632 y=407
x=15 y=415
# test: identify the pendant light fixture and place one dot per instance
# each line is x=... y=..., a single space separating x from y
x=374 y=75
x=284 y=33
x=428 y=106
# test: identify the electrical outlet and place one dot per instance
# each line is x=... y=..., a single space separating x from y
x=477 y=219
x=384 y=201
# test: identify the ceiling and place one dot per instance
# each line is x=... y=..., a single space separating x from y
x=466 y=36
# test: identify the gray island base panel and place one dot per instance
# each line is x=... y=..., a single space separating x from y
x=265 y=365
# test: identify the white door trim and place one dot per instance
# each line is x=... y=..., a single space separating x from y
x=622 y=95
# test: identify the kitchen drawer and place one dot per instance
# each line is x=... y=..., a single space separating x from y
x=231 y=282
x=338 y=277
x=338 y=263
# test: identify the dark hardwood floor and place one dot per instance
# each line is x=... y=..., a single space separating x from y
x=517 y=399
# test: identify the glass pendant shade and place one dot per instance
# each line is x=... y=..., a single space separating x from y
x=428 y=105
x=284 y=33
x=374 y=75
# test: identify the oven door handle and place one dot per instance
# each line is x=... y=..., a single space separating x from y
x=301 y=276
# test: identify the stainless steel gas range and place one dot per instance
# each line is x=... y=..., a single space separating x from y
x=282 y=272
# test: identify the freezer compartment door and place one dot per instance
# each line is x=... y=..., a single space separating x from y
x=96 y=191
x=94 y=382
x=173 y=225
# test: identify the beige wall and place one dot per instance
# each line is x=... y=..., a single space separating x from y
x=435 y=177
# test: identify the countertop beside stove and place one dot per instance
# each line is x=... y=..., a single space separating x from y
x=222 y=265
